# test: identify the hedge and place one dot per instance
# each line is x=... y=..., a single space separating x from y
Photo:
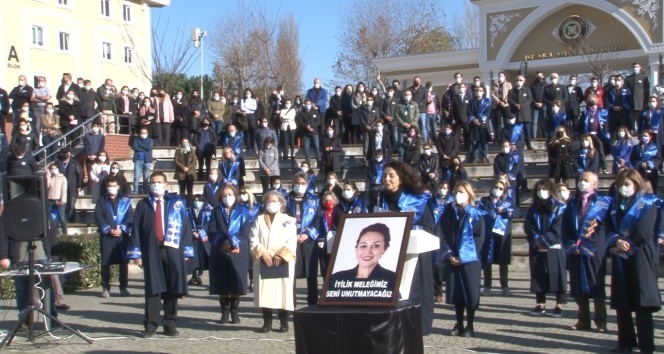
x=74 y=248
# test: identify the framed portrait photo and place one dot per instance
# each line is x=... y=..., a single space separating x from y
x=367 y=260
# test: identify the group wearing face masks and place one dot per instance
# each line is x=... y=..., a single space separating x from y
x=646 y=158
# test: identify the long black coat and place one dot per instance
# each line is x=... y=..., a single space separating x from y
x=74 y=174
x=330 y=159
x=499 y=247
x=636 y=288
x=228 y=270
x=522 y=97
x=462 y=282
x=595 y=266
x=113 y=249
x=560 y=160
x=547 y=269
x=411 y=146
x=143 y=236
x=447 y=145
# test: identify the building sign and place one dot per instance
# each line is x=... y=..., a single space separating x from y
x=573 y=51
x=13 y=56
x=573 y=30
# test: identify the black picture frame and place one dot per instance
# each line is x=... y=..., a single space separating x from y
x=342 y=287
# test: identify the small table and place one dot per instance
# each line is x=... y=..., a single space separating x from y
x=361 y=330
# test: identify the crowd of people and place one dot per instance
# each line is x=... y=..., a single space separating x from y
x=412 y=142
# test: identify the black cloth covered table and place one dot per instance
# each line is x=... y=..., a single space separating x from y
x=362 y=330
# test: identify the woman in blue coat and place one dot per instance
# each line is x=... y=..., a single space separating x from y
x=461 y=246
x=497 y=247
x=586 y=158
x=228 y=231
x=621 y=149
x=199 y=214
x=646 y=158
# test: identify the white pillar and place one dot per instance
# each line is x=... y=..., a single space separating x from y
x=653 y=61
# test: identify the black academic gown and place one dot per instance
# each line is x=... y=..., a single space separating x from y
x=547 y=269
x=143 y=236
x=113 y=249
x=463 y=282
x=229 y=270
x=594 y=268
x=496 y=245
x=201 y=248
x=634 y=280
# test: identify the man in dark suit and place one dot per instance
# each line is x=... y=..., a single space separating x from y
x=638 y=84
x=553 y=92
x=161 y=242
x=387 y=110
x=459 y=118
x=73 y=172
x=520 y=99
x=575 y=95
x=67 y=84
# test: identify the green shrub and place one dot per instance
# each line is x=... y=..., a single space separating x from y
x=85 y=250
x=7 y=288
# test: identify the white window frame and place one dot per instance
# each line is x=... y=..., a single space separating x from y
x=107 y=51
x=105 y=8
x=129 y=55
x=127 y=13
x=68 y=46
x=33 y=38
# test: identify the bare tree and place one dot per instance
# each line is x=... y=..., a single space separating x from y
x=261 y=56
x=465 y=27
x=394 y=28
x=598 y=58
x=169 y=56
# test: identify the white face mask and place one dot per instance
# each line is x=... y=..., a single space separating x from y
x=102 y=158
x=287 y=106
x=506 y=150
x=564 y=194
x=213 y=178
x=276 y=186
x=264 y=124
x=54 y=172
x=21 y=83
x=652 y=104
x=71 y=97
x=307 y=106
x=626 y=191
x=427 y=152
x=112 y=190
x=95 y=130
x=512 y=121
x=299 y=189
x=125 y=92
x=198 y=204
x=157 y=189
x=115 y=170
x=330 y=133
x=50 y=110
x=613 y=82
x=143 y=136
x=461 y=198
x=305 y=169
x=228 y=200
x=459 y=80
x=232 y=134
x=448 y=131
x=178 y=96
x=586 y=143
x=637 y=70
x=593 y=84
x=23 y=127
x=501 y=79
x=497 y=192
x=273 y=207
x=347 y=194
x=583 y=186
x=25 y=109
x=543 y=194
x=572 y=82
x=379 y=159
x=407 y=98
x=216 y=98
x=479 y=94
x=244 y=197
x=556 y=109
x=146 y=104
x=621 y=134
x=442 y=192
x=331 y=181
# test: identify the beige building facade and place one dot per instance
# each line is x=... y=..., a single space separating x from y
x=561 y=36
x=92 y=39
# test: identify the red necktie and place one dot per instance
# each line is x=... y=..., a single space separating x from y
x=160 y=224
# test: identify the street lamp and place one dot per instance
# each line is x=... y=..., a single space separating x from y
x=197 y=37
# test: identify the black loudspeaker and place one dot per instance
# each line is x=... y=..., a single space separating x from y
x=25 y=199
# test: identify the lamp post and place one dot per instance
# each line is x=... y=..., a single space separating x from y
x=197 y=37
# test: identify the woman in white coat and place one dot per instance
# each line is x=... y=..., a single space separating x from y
x=273 y=246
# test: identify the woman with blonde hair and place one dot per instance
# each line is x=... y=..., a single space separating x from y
x=621 y=149
x=463 y=235
x=560 y=156
x=273 y=247
x=586 y=158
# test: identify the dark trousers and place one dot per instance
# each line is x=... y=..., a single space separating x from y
x=583 y=301
x=71 y=207
x=153 y=303
x=348 y=129
x=207 y=159
x=644 y=330
x=526 y=133
x=251 y=131
x=599 y=147
x=312 y=291
x=187 y=186
x=437 y=280
x=502 y=270
x=163 y=131
x=540 y=297
x=106 y=275
x=288 y=141
x=266 y=182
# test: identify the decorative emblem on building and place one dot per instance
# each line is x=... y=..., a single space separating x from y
x=498 y=25
x=649 y=8
x=573 y=29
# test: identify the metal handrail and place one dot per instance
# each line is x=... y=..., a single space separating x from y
x=44 y=150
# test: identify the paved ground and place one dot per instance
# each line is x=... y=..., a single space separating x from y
x=502 y=326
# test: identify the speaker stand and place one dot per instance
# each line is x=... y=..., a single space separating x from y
x=28 y=315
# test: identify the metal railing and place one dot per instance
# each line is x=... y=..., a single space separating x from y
x=76 y=134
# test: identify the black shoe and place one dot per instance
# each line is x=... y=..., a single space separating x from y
x=283 y=324
x=457 y=331
x=469 y=332
x=538 y=311
x=63 y=307
x=250 y=288
x=621 y=349
x=171 y=332
x=557 y=312
x=192 y=281
x=148 y=334
x=267 y=327
x=198 y=281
